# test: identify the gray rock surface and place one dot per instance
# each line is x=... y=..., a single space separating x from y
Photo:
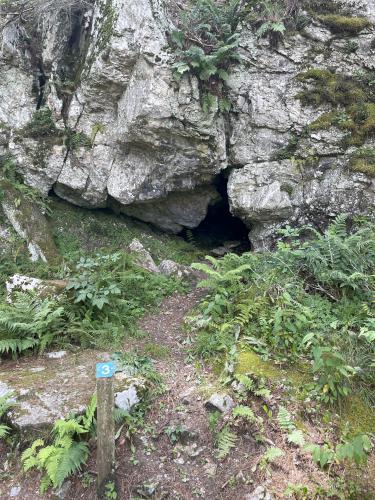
x=221 y=402
x=143 y=257
x=125 y=400
x=29 y=223
x=47 y=389
x=142 y=143
x=260 y=493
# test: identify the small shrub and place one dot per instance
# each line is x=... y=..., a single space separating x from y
x=334 y=374
x=41 y=124
x=354 y=450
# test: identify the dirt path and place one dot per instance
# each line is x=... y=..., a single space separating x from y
x=188 y=468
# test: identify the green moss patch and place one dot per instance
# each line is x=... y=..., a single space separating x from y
x=352 y=97
x=330 y=88
x=345 y=24
x=357 y=416
x=363 y=161
x=80 y=230
x=251 y=363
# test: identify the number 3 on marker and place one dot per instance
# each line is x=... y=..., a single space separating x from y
x=105 y=370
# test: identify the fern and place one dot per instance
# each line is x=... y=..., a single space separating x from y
x=270 y=456
x=206 y=45
x=245 y=412
x=66 y=454
x=284 y=419
x=296 y=437
x=226 y=441
x=6 y=403
x=29 y=323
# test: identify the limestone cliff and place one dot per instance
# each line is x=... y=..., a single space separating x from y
x=89 y=109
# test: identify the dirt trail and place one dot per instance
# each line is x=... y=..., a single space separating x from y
x=189 y=470
x=185 y=470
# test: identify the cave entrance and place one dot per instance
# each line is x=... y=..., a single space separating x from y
x=220 y=229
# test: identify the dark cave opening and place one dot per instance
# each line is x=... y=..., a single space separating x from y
x=220 y=228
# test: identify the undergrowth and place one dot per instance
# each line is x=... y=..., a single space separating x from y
x=311 y=301
x=66 y=450
x=105 y=296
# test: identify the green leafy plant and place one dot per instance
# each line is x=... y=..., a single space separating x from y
x=312 y=292
x=68 y=451
x=354 y=450
x=334 y=374
x=6 y=403
x=29 y=323
x=110 y=492
x=225 y=441
x=174 y=433
x=206 y=46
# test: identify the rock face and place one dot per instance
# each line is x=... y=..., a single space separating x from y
x=89 y=108
x=29 y=223
x=52 y=386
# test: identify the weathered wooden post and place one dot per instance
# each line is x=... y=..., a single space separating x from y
x=105 y=460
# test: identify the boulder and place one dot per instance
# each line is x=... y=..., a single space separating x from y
x=47 y=387
x=171 y=268
x=222 y=402
x=44 y=288
x=143 y=257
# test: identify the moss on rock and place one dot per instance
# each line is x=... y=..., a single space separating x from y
x=345 y=24
x=29 y=222
x=353 y=100
x=251 y=363
x=363 y=160
x=40 y=125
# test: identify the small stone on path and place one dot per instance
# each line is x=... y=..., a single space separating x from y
x=221 y=402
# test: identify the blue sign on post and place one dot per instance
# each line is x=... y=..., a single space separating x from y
x=105 y=370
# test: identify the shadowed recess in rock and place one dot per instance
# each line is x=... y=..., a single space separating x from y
x=220 y=228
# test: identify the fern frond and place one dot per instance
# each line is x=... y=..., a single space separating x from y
x=244 y=412
x=296 y=437
x=272 y=454
x=285 y=421
x=70 y=460
x=4 y=431
x=246 y=381
x=226 y=440
x=68 y=427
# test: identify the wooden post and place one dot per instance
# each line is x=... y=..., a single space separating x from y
x=105 y=434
